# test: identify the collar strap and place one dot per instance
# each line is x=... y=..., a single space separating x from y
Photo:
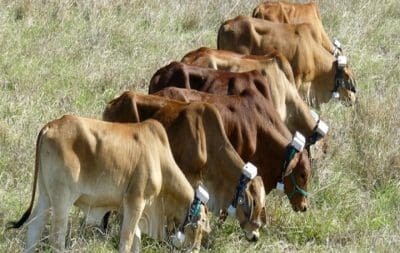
x=249 y=172
x=201 y=197
x=337 y=50
x=297 y=145
x=339 y=76
x=290 y=153
x=320 y=130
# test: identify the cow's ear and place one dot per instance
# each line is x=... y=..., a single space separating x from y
x=263 y=215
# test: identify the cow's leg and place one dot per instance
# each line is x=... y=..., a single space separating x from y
x=38 y=221
x=132 y=211
x=61 y=202
x=136 y=240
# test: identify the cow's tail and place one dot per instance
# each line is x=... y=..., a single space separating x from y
x=25 y=216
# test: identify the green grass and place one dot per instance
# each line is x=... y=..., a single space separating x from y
x=74 y=56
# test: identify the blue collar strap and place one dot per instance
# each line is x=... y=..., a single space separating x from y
x=297 y=145
x=239 y=189
x=201 y=197
x=294 y=147
x=249 y=172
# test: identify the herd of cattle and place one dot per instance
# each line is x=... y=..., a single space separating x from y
x=153 y=155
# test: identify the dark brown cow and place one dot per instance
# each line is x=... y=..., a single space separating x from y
x=277 y=71
x=317 y=73
x=283 y=95
x=187 y=76
x=202 y=151
x=297 y=13
x=258 y=135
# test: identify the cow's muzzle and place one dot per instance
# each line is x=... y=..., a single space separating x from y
x=252 y=236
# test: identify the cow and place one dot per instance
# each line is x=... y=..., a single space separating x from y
x=258 y=134
x=95 y=164
x=189 y=77
x=202 y=151
x=297 y=13
x=276 y=89
x=278 y=73
x=234 y=62
x=317 y=73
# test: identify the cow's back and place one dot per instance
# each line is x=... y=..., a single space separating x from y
x=295 y=13
x=94 y=151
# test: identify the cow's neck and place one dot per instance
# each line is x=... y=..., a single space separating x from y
x=179 y=194
x=324 y=79
x=222 y=177
x=298 y=116
x=276 y=144
x=149 y=105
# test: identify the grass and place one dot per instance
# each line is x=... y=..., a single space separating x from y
x=74 y=56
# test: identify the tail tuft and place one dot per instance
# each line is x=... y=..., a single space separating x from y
x=20 y=222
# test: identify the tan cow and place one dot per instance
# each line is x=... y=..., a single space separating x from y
x=202 y=151
x=317 y=73
x=234 y=62
x=96 y=164
x=276 y=69
x=297 y=13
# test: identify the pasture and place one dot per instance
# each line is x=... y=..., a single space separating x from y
x=73 y=56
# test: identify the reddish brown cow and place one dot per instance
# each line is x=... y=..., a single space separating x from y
x=187 y=76
x=296 y=113
x=297 y=13
x=257 y=133
x=317 y=73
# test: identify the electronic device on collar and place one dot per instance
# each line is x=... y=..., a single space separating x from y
x=341 y=61
x=298 y=142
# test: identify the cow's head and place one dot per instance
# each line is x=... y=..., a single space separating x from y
x=250 y=210
x=345 y=84
x=196 y=225
x=248 y=202
x=296 y=178
x=296 y=173
x=198 y=231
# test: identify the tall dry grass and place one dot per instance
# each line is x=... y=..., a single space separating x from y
x=73 y=56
